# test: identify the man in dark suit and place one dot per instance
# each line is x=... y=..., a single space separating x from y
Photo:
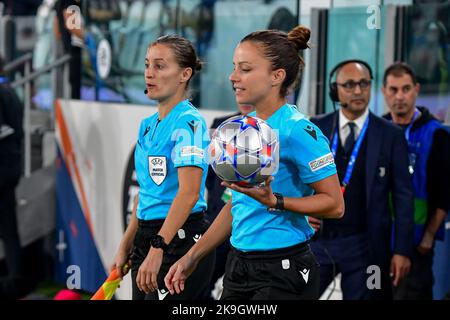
x=217 y=197
x=372 y=163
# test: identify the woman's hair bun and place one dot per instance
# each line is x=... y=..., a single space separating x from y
x=300 y=36
x=198 y=65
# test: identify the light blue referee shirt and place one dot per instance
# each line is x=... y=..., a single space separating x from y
x=180 y=139
x=305 y=157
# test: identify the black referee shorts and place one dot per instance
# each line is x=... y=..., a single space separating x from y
x=290 y=273
x=197 y=285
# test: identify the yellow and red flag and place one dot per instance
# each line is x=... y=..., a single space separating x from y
x=107 y=289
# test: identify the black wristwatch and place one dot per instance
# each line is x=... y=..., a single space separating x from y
x=156 y=241
x=279 y=206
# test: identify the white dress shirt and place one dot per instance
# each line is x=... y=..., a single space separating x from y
x=344 y=129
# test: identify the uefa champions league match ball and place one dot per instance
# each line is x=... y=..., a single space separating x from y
x=244 y=150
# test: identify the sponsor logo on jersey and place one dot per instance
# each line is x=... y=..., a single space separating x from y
x=321 y=162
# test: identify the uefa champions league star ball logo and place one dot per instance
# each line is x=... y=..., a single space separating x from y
x=244 y=150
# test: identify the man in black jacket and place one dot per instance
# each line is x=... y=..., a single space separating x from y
x=429 y=165
x=372 y=164
x=11 y=134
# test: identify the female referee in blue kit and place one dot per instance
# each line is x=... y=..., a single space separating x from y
x=270 y=256
x=168 y=214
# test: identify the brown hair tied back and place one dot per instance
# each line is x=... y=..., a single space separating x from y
x=183 y=50
x=198 y=65
x=282 y=50
x=300 y=36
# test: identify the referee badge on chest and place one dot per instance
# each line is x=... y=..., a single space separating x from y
x=157 y=167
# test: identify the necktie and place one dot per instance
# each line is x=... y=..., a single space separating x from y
x=350 y=141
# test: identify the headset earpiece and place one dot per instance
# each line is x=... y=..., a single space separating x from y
x=333 y=93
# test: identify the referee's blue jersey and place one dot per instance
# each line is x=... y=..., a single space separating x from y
x=305 y=158
x=180 y=139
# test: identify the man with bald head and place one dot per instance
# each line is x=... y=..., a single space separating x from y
x=372 y=163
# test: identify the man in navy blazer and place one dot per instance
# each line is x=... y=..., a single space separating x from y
x=372 y=162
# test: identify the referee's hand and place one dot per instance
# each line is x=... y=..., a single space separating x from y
x=262 y=193
x=146 y=278
x=179 y=272
x=315 y=223
x=121 y=263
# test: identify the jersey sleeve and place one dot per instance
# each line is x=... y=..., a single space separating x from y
x=191 y=142
x=312 y=153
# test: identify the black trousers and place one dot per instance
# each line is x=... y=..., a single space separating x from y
x=8 y=229
x=418 y=284
x=219 y=265
x=197 y=285
x=348 y=255
x=284 y=274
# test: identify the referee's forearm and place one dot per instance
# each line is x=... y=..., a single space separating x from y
x=128 y=238
x=328 y=202
x=318 y=206
x=178 y=213
x=216 y=234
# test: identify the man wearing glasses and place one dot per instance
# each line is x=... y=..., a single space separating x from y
x=372 y=163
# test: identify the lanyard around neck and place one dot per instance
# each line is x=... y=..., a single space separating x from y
x=408 y=129
x=354 y=155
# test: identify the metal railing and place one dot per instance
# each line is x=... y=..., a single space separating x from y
x=13 y=65
x=26 y=82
